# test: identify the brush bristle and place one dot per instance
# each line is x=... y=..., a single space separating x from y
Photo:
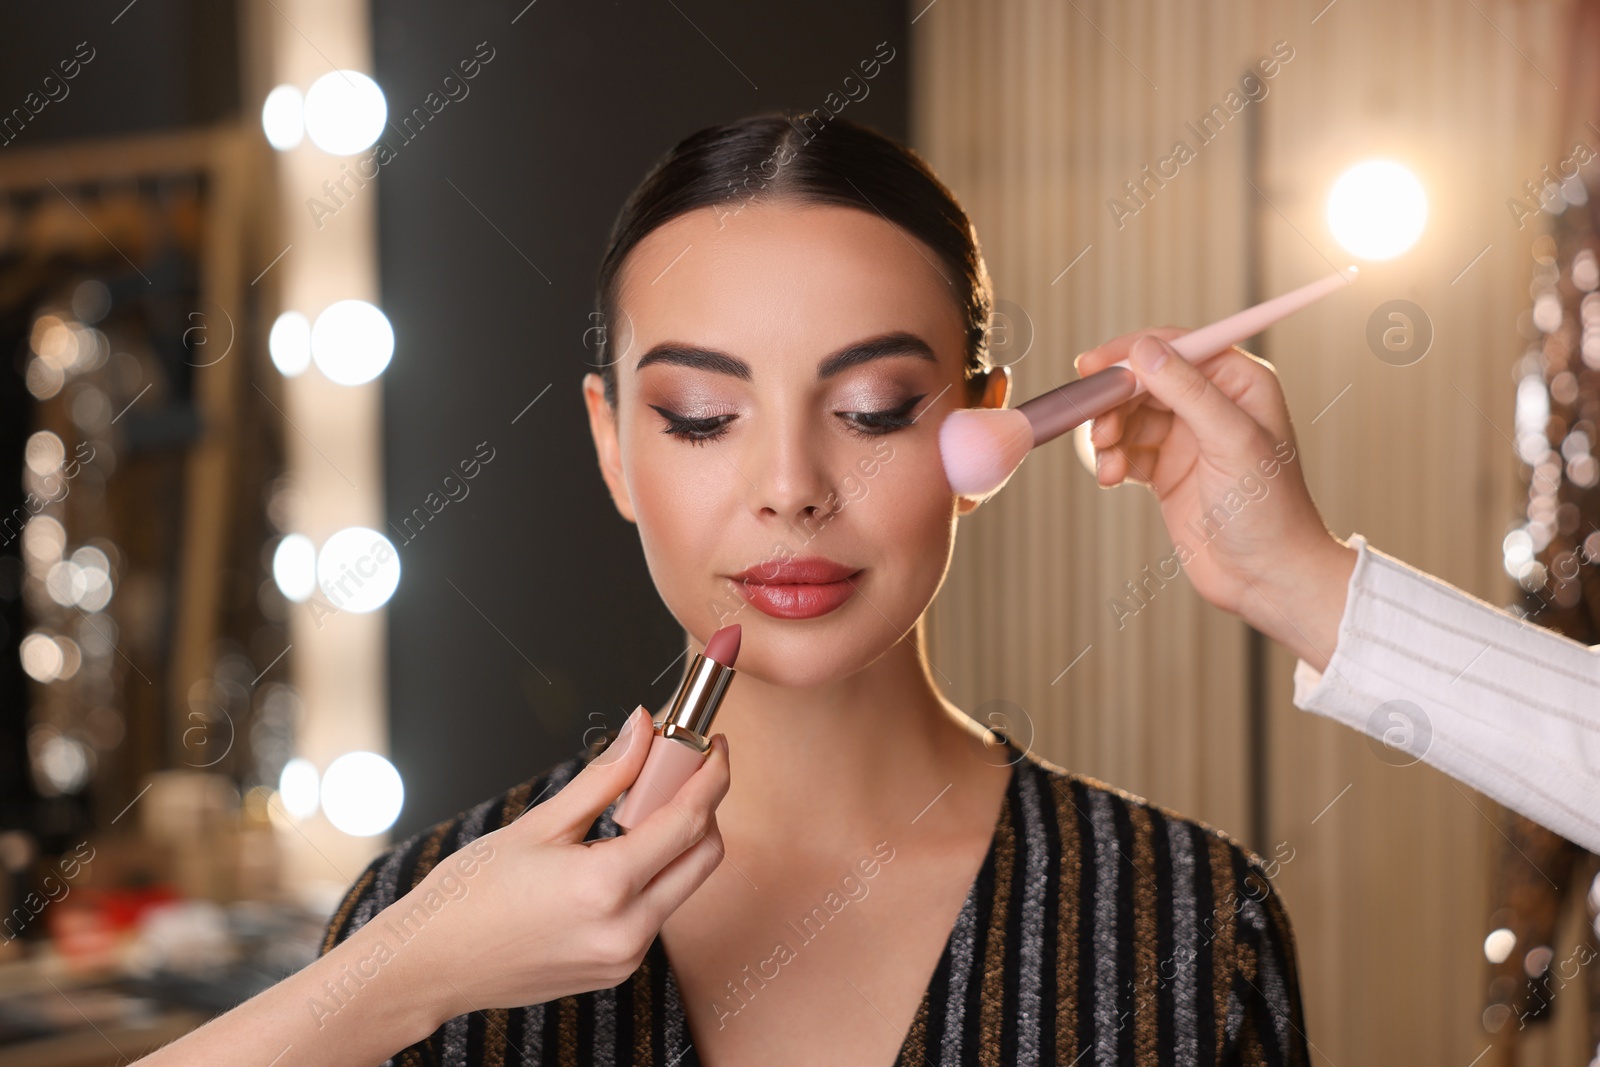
x=982 y=446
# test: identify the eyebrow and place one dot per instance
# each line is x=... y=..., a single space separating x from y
x=883 y=346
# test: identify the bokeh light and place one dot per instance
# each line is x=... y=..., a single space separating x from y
x=294 y=567
x=344 y=112
x=298 y=788
x=362 y=793
x=358 y=569
x=1377 y=209
x=283 y=117
x=352 y=342
x=289 y=343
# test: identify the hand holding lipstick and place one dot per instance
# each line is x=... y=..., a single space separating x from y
x=526 y=914
x=1215 y=444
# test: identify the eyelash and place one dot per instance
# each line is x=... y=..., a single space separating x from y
x=865 y=424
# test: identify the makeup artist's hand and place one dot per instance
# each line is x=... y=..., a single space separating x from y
x=551 y=915
x=526 y=914
x=1214 y=442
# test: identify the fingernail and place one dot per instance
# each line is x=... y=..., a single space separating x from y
x=1149 y=352
x=624 y=738
x=1099 y=460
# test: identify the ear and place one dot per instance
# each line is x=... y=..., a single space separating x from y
x=996 y=392
x=603 y=428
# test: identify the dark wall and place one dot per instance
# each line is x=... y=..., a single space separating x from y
x=151 y=65
x=525 y=613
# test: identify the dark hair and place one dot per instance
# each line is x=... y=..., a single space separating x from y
x=778 y=156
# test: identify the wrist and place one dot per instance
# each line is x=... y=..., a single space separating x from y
x=1302 y=606
x=408 y=991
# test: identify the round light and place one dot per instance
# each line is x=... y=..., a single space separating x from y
x=294 y=567
x=96 y=571
x=65 y=582
x=352 y=342
x=42 y=658
x=44 y=453
x=362 y=793
x=358 y=569
x=290 y=343
x=1377 y=209
x=64 y=762
x=1498 y=945
x=297 y=788
x=345 y=112
x=283 y=117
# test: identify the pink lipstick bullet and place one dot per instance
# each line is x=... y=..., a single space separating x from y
x=683 y=736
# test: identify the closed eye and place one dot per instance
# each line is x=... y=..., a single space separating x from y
x=698 y=431
x=878 y=423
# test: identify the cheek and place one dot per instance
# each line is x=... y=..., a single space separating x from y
x=905 y=506
x=679 y=503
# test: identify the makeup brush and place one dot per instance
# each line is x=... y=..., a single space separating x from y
x=982 y=447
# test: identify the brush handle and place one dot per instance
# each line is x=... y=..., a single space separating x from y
x=1066 y=407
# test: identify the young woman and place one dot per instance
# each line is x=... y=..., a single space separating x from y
x=792 y=312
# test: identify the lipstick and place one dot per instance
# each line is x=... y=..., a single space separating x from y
x=683 y=736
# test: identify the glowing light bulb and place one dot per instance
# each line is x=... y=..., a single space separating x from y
x=289 y=343
x=358 y=569
x=345 y=112
x=352 y=342
x=297 y=788
x=1377 y=209
x=294 y=567
x=362 y=793
x=283 y=117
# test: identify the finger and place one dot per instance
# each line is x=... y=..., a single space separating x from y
x=678 y=880
x=1119 y=465
x=678 y=824
x=1251 y=383
x=1229 y=433
x=568 y=814
x=1116 y=350
x=1106 y=429
x=1146 y=427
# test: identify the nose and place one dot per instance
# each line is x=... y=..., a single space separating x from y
x=789 y=479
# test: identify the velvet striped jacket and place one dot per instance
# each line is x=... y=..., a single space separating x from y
x=1100 y=929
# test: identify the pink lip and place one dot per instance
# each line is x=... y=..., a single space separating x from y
x=802 y=570
x=797 y=588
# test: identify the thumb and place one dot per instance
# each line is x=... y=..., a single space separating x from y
x=1220 y=426
x=568 y=814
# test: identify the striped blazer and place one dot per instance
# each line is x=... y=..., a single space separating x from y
x=1100 y=929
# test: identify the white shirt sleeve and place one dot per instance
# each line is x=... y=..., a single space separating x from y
x=1509 y=708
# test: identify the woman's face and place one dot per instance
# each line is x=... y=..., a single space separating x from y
x=782 y=372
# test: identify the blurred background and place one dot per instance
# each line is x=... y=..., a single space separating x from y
x=295 y=299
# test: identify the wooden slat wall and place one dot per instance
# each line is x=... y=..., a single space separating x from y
x=1036 y=112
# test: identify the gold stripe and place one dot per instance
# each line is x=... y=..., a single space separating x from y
x=991 y=1000
x=914 y=1048
x=430 y=852
x=1225 y=899
x=1071 y=879
x=1145 y=963
x=342 y=916
x=1251 y=1054
x=516 y=803
x=567 y=1032
x=494 y=1036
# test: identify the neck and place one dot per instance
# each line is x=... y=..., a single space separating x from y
x=841 y=766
